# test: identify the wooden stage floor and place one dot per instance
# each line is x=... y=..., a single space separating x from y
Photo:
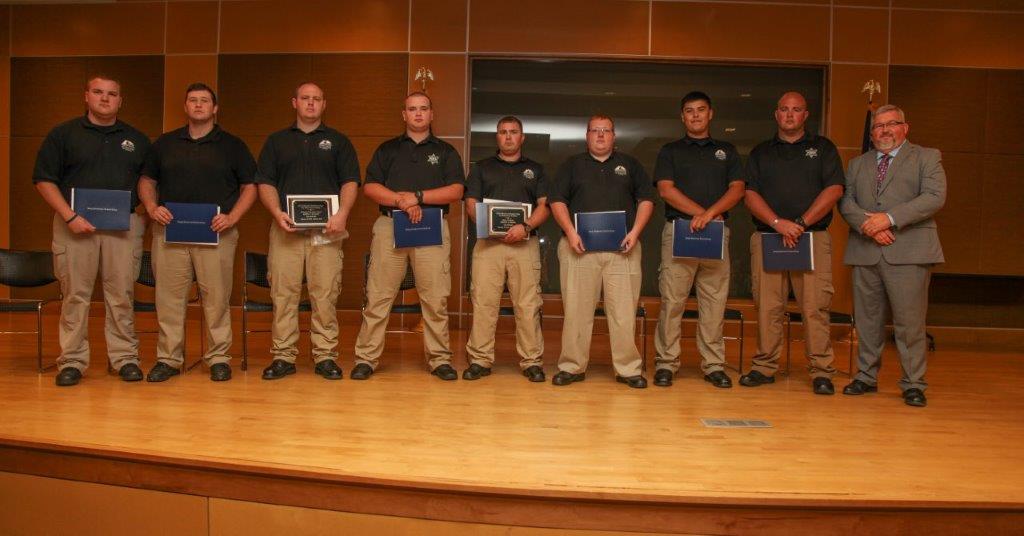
x=505 y=437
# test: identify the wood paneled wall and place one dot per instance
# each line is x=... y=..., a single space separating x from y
x=218 y=41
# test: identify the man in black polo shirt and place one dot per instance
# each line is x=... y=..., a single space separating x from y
x=601 y=179
x=793 y=181
x=406 y=173
x=101 y=152
x=306 y=158
x=198 y=163
x=700 y=179
x=508 y=176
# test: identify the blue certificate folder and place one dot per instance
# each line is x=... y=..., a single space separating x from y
x=413 y=235
x=601 y=231
x=708 y=243
x=106 y=210
x=777 y=257
x=191 y=224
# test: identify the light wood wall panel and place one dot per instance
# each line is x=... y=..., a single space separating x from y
x=860 y=35
x=87 y=30
x=39 y=505
x=1002 y=190
x=438 y=25
x=192 y=27
x=569 y=26
x=447 y=92
x=958 y=38
x=179 y=72
x=990 y=5
x=253 y=26
x=728 y=30
x=934 y=99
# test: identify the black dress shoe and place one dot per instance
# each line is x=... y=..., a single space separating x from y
x=663 y=377
x=279 y=368
x=857 y=387
x=475 y=372
x=565 y=378
x=755 y=378
x=221 y=372
x=823 y=386
x=161 y=372
x=636 y=382
x=534 y=373
x=68 y=376
x=445 y=372
x=130 y=372
x=361 y=371
x=915 y=397
x=328 y=369
x=718 y=379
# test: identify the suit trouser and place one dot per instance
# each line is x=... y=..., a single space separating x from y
x=583 y=277
x=291 y=256
x=431 y=268
x=77 y=260
x=173 y=266
x=675 y=280
x=904 y=289
x=493 y=260
x=813 y=292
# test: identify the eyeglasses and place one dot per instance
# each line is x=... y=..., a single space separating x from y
x=890 y=124
x=600 y=130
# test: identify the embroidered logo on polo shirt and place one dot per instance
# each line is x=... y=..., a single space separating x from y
x=811 y=153
x=620 y=171
x=325 y=145
x=720 y=154
x=433 y=159
x=127 y=145
x=528 y=174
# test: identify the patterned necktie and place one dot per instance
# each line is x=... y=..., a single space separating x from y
x=883 y=166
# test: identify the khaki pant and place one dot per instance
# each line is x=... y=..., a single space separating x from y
x=173 y=266
x=77 y=260
x=292 y=256
x=492 y=261
x=583 y=277
x=813 y=292
x=675 y=280
x=431 y=267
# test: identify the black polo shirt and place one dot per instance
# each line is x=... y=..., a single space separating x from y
x=789 y=176
x=700 y=168
x=296 y=162
x=402 y=165
x=210 y=169
x=585 y=184
x=80 y=154
x=522 y=181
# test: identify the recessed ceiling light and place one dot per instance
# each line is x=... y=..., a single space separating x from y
x=745 y=95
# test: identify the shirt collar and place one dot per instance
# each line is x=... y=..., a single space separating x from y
x=702 y=142
x=497 y=156
x=212 y=135
x=807 y=137
x=118 y=125
x=611 y=156
x=429 y=139
x=319 y=128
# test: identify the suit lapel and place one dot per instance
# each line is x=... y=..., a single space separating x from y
x=905 y=154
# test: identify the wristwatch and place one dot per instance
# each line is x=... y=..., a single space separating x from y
x=419 y=196
x=800 y=221
x=527 y=227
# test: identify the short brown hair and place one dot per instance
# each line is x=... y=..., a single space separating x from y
x=199 y=86
x=601 y=117
x=419 y=94
x=101 y=76
x=511 y=119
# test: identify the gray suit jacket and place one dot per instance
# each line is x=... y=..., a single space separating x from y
x=913 y=190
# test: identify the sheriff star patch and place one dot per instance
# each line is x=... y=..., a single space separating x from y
x=433 y=159
x=811 y=153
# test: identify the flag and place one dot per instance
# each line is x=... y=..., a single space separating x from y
x=865 y=144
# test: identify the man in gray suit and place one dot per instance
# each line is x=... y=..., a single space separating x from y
x=892 y=194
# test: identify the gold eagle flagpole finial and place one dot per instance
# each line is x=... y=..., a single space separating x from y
x=871 y=87
x=424 y=74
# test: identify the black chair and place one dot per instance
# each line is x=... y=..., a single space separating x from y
x=733 y=315
x=641 y=318
x=27 y=269
x=835 y=318
x=408 y=283
x=256 y=274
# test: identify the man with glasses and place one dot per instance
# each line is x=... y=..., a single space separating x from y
x=700 y=179
x=793 y=182
x=892 y=195
x=307 y=158
x=413 y=171
x=98 y=151
x=598 y=180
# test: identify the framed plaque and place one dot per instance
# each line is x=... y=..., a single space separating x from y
x=311 y=211
x=503 y=216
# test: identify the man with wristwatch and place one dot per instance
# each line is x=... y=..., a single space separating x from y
x=513 y=259
x=793 y=182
